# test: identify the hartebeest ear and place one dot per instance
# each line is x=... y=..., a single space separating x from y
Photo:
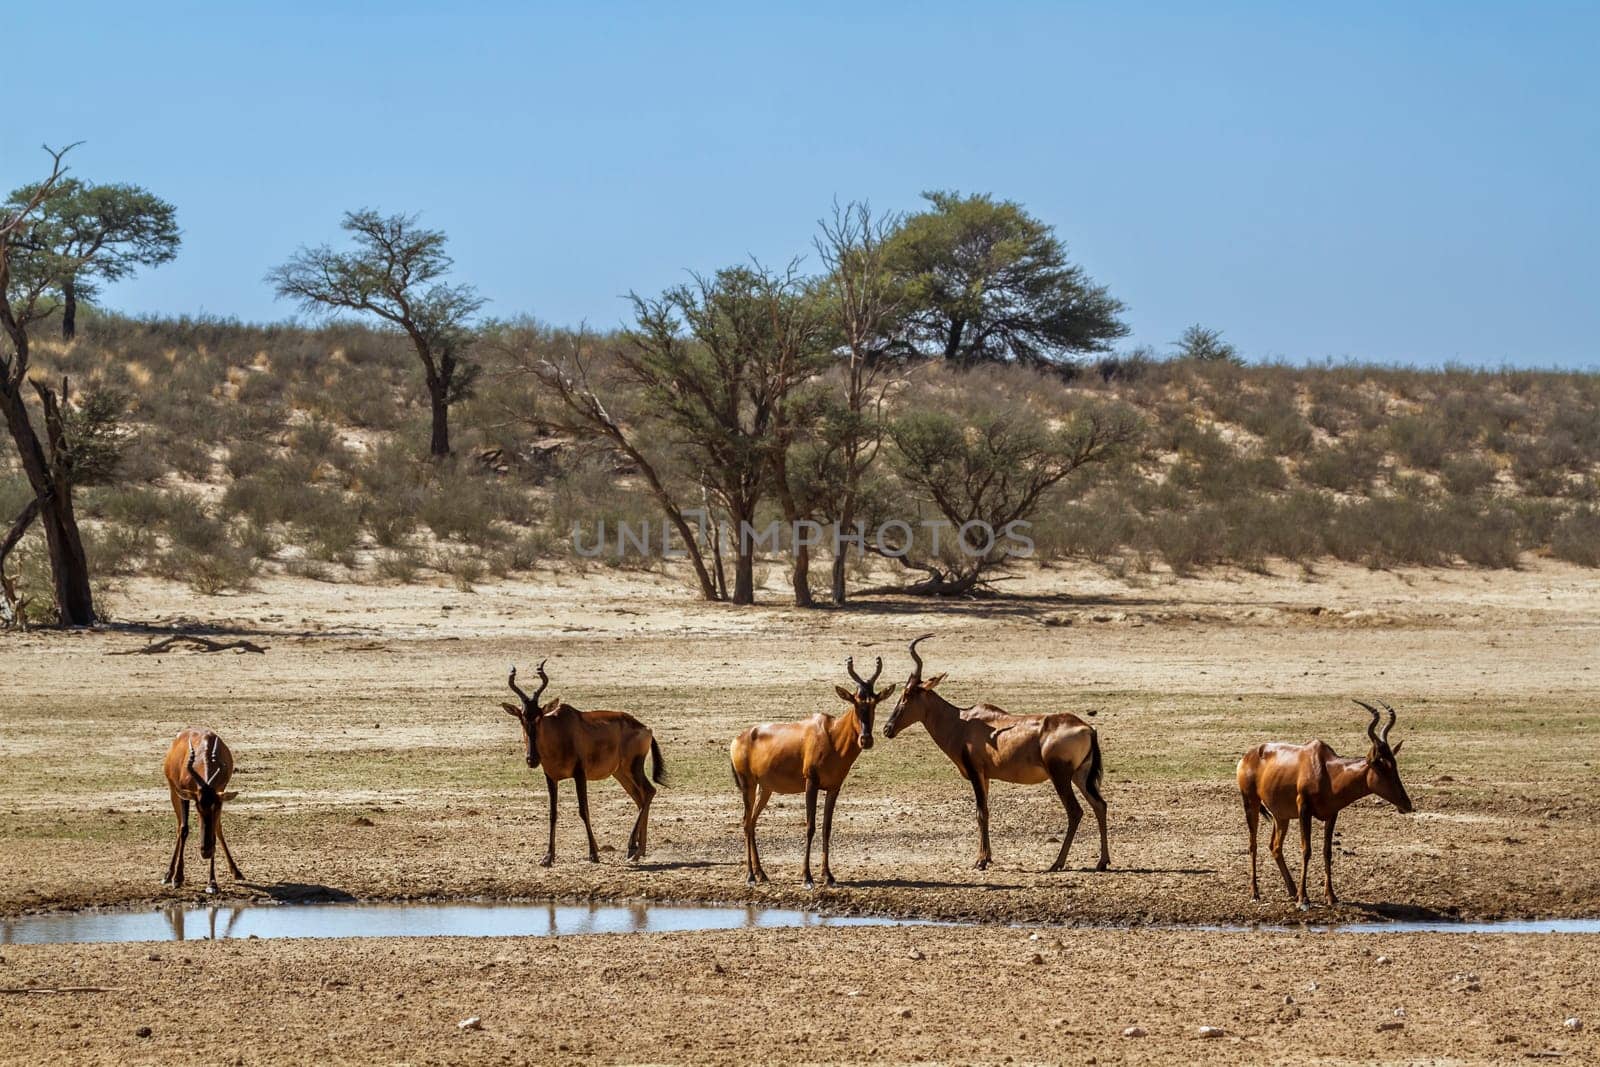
x=230 y=794
x=550 y=708
x=934 y=681
x=886 y=693
x=512 y=710
x=845 y=694
x=1396 y=748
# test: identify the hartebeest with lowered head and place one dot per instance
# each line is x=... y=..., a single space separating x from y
x=198 y=766
x=987 y=744
x=811 y=756
x=584 y=745
x=1313 y=781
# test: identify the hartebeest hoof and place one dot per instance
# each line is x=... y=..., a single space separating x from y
x=594 y=857
x=982 y=864
x=549 y=860
x=1103 y=865
x=211 y=887
x=809 y=883
x=830 y=882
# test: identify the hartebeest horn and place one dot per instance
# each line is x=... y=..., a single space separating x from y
x=1390 y=724
x=865 y=684
x=916 y=674
x=530 y=703
x=1372 y=726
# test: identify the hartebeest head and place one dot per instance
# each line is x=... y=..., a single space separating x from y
x=865 y=699
x=528 y=714
x=1383 y=773
x=208 y=799
x=908 y=710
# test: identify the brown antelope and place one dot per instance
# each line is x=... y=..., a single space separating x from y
x=581 y=745
x=1313 y=781
x=198 y=766
x=811 y=756
x=987 y=744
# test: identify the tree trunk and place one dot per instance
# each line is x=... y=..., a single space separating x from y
x=838 y=589
x=438 y=398
x=952 y=340
x=69 y=567
x=802 y=577
x=744 y=563
x=69 y=309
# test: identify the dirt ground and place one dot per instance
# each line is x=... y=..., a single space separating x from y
x=374 y=763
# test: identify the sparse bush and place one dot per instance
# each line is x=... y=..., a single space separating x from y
x=1345 y=467
x=1576 y=538
x=1465 y=475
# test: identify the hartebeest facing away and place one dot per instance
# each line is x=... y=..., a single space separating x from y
x=198 y=766
x=1313 y=781
x=810 y=756
x=584 y=745
x=987 y=744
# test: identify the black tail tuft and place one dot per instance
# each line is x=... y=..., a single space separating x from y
x=658 y=766
x=1092 y=783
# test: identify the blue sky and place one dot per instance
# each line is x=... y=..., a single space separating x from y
x=1398 y=182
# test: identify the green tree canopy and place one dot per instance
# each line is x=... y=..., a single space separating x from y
x=987 y=281
x=83 y=235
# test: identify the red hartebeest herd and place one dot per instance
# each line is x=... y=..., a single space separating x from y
x=815 y=756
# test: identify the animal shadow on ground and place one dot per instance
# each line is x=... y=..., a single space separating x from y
x=681 y=865
x=921 y=883
x=1404 y=912
x=1114 y=869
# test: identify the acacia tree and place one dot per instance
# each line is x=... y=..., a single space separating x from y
x=987 y=281
x=723 y=367
x=394 y=273
x=103 y=233
x=866 y=304
x=29 y=273
x=986 y=472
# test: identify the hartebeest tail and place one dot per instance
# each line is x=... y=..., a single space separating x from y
x=198 y=767
x=987 y=743
x=582 y=745
x=1312 y=781
x=811 y=756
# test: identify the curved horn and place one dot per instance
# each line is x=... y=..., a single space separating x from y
x=1371 y=726
x=1390 y=724
x=870 y=681
x=544 y=680
x=850 y=669
x=916 y=675
x=512 y=682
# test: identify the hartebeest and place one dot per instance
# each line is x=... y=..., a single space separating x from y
x=987 y=744
x=198 y=766
x=1313 y=781
x=583 y=745
x=810 y=756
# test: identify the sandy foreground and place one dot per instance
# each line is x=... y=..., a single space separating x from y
x=374 y=763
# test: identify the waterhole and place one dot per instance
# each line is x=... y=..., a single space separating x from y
x=478 y=919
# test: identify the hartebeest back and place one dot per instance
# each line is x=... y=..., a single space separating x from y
x=986 y=744
x=1313 y=781
x=583 y=745
x=810 y=756
x=198 y=767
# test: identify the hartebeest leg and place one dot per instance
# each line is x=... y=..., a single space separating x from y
x=550 y=850
x=762 y=796
x=1062 y=779
x=233 y=868
x=1280 y=830
x=582 y=785
x=827 y=835
x=811 y=827
x=637 y=786
x=1097 y=804
x=1327 y=858
x=1252 y=818
x=1305 y=852
x=174 y=876
x=980 y=792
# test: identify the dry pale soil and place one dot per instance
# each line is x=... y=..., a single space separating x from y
x=374 y=763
